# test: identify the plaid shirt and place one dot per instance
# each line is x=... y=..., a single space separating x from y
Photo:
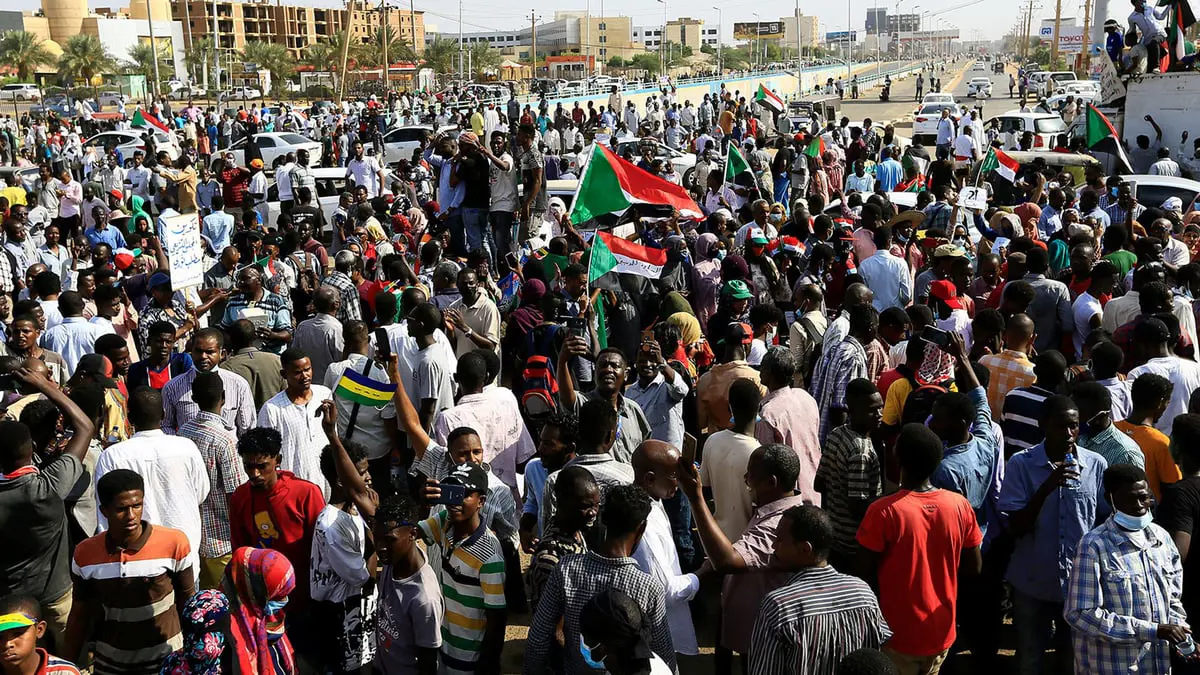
x=177 y=316
x=551 y=549
x=1124 y=584
x=845 y=362
x=6 y=276
x=1116 y=214
x=499 y=510
x=1010 y=369
x=351 y=307
x=218 y=447
x=810 y=624
x=877 y=359
x=574 y=582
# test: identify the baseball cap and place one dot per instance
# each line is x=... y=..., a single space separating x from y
x=945 y=291
x=757 y=236
x=739 y=334
x=15 y=620
x=738 y=290
x=948 y=251
x=117 y=193
x=256 y=163
x=159 y=279
x=1173 y=204
x=470 y=476
x=99 y=367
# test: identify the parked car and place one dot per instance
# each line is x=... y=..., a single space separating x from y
x=979 y=87
x=185 y=93
x=1154 y=190
x=938 y=97
x=1079 y=87
x=127 y=142
x=1043 y=126
x=20 y=92
x=331 y=182
x=28 y=175
x=399 y=143
x=925 y=124
x=272 y=147
x=239 y=93
x=110 y=98
x=1046 y=82
x=685 y=163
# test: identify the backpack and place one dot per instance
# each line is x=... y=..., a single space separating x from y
x=919 y=404
x=539 y=385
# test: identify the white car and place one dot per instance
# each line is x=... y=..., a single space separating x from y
x=1079 y=88
x=685 y=163
x=185 y=93
x=272 y=147
x=938 y=97
x=979 y=66
x=979 y=87
x=1154 y=190
x=399 y=143
x=331 y=182
x=925 y=124
x=1046 y=82
x=573 y=88
x=20 y=92
x=110 y=98
x=128 y=142
x=240 y=93
x=1043 y=126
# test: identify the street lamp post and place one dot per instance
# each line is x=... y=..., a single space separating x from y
x=757 y=36
x=720 y=68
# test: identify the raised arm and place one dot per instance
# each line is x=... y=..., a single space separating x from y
x=85 y=429
x=407 y=419
x=366 y=499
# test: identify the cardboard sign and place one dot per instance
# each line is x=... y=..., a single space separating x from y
x=1111 y=87
x=181 y=242
x=973 y=198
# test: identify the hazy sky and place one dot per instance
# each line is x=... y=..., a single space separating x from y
x=988 y=19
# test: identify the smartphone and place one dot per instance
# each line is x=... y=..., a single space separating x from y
x=577 y=326
x=935 y=335
x=689 y=448
x=511 y=258
x=452 y=494
x=1132 y=187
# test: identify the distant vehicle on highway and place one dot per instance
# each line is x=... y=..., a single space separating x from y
x=239 y=93
x=272 y=147
x=20 y=92
x=185 y=93
x=979 y=87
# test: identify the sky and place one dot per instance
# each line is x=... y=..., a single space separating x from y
x=975 y=19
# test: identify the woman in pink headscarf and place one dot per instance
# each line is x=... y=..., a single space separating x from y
x=706 y=276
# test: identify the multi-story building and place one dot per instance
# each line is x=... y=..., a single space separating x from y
x=876 y=20
x=810 y=33
x=293 y=26
x=903 y=23
x=682 y=31
x=600 y=38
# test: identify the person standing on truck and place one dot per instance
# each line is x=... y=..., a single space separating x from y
x=1144 y=19
x=1114 y=42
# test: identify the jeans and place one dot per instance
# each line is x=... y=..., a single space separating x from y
x=1040 y=624
x=503 y=233
x=781 y=190
x=475 y=225
x=943 y=150
x=458 y=239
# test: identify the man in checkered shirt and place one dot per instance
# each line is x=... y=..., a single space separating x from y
x=345 y=264
x=579 y=578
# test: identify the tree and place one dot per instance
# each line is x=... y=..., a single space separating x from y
x=141 y=60
x=442 y=55
x=271 y=57
x=83 y=58
x=199 y=57
x=616 y=62
x=483 y=58
x=25 y=52
x=707 y=49
x=647 y=62
x=371 y=53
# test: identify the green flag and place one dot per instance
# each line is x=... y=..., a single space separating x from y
x=736 y=166
x=601 y=261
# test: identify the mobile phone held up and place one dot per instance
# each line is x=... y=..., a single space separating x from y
x=936 y=336
x=452 y=494
x=577 y=326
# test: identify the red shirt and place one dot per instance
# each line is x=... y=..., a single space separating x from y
x=921 y=536
x=282 y=519
x=233 y=186
x=886 y=379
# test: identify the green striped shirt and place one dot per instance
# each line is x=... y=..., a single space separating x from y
x=471 y=572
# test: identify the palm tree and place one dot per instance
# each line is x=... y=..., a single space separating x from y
x=272 y=57
x=483 y=58
x=141 y=60
x=397 y=49
x=441 y=55
x=25 y=52
x=199 y=57
x=83 y=58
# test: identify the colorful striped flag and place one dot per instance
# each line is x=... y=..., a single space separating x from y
x=356 y=387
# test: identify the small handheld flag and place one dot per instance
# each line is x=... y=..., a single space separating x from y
x=359 y=388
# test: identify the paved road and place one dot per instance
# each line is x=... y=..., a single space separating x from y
x=902 y=105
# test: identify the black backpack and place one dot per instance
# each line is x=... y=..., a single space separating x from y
x=919 y=404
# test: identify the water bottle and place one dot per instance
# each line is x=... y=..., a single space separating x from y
x=1187 y=648
x=1072 y=483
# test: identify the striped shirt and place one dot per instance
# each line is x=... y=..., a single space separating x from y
x=471 y=571
x=499 y=512
x=1115 y=447
x=133 y=593
x=808 y=625
x=218 y=448
x=178 y=406
x=845 y=362
x=1020 y=421
x=849 y=470
x=52 y=665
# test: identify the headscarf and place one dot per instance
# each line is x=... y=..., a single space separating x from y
x=204 y=621
x=706 y=278
x=1060 y=257
x=698 y=350
x=417 y=218
x=529 y=314
x=254 y=577
x=674 y=303
x=1026 y=212
x=734 y=268
x=137 y=209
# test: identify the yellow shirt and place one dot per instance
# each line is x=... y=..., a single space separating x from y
x=1160 y=467
x=897 y=395
x=15 y=195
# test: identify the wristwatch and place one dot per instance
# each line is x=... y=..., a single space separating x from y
x=467 y=332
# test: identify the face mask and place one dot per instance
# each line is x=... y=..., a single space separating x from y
x=586 y=653
x=275 y=606
x=775 y=218
x=1132 y=523
x=721 y=253
x=1113 y=191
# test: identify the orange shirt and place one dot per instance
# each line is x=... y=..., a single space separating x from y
x=1160 y=467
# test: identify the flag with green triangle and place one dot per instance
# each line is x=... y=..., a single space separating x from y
x=141 y=120
x=816 y=147
x=737 y=169
x=1103 y=137
x=611 y=185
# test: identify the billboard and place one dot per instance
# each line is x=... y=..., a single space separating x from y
x=841 y=36
x=760 y=29
x=1070 y=38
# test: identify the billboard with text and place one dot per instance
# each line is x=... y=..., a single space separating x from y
x=758 y=29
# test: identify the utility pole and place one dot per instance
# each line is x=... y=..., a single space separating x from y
x=153 y=47
x=1085 y=56
x=216 y=51
x=1054 y=44
x=385 y=36
x=460 y=40
x=345 y=50
x=187 y=21
x=533 y=39
x=720 y=67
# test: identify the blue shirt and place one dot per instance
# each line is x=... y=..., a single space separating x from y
x=218 y=227
x=662 y=403
x=535 y=482
x=1114 y=44
x=968 y=468
x=1050 y=222
x=109 y=235
x=889 y=173
x=448 y=197
x=888 y=278
x=1041 y=561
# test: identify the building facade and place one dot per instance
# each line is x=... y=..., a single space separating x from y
x=596 y=38
x=808 y=27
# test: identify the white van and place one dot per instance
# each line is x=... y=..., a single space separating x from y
x=20 y=92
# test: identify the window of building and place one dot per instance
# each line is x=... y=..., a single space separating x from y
x=603 y=51
x=603 y=38
x=603 y=26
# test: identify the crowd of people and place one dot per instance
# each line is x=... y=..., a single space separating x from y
x=870 y=435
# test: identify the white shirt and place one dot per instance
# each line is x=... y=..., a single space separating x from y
x=945 y=130
x=1183 y=374
x=176 y=481
x=405 y=348
x=504 y=184
x=964 y=146
x=1165 y=167
x=73 y=338
x=656 y=556
x=139 y=181
x=337 y=567
x=283 y=179
x=1084 y=308
x=365 y=172
x=1176 y=253
x=300 y=427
